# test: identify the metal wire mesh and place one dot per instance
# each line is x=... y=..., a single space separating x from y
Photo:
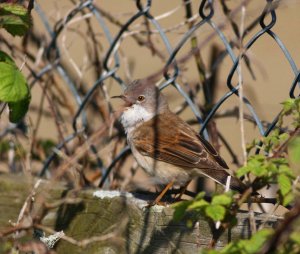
x=108 y=66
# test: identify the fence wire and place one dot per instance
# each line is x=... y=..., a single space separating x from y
x=108 y=67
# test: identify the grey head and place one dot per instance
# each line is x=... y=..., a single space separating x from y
x=146 y=94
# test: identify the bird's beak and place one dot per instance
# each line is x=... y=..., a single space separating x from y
x=124 y=98
x=118 y=96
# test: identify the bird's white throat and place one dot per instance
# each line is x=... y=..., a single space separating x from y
x=133 y=116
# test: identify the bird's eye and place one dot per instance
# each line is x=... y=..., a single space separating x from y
x=141 y=98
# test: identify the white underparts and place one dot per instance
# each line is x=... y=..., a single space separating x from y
x=134 y=116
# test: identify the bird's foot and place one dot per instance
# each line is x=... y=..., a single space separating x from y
x=154 y=202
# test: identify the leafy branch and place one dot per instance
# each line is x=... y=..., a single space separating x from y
x=14 y=90
x=277 y=166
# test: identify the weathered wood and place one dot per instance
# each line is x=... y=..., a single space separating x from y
x=134 y=227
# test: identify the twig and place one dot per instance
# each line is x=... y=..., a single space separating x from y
x=29 y=199
x=241 y=90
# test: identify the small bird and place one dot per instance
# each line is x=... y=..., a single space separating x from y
x=164 y=145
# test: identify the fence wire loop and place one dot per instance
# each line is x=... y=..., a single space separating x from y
x=209 y=5
x=268 y=10
x=142 y=9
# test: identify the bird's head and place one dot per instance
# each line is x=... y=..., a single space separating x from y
x=142 y=93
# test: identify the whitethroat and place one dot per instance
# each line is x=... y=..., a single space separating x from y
x=164 y=145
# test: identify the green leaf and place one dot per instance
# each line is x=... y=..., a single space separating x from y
x=4 y=147
x=200 y=195
x=222 y=199
x=251 y=246
x=295 y=236
x=285 y=185
x=288 y=106
x=179 y=209
x=256 y=242
x=198 y=204
x=272 y=168
x=257 y=168
x=279 y=161
x=215 y=212
x=274 y=140
x=286 y=170
x=287 y=199
x=256 y=165
x=242 y=171
x=209 y=252
x=6 y=58
x=17 y=110
x=234 y=248
x=283 y=137
x=294 y=150
x=13 y=86
x=47 y=145
x=14 y=18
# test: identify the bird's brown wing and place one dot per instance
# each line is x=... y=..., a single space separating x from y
x=179 y=144
x=212 y=151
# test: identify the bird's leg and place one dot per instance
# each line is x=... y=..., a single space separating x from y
x=182 y=190
x=160 y=196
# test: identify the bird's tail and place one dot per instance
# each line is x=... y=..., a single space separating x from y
x=220 y=176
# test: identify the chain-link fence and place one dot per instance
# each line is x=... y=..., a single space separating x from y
x=74 y=105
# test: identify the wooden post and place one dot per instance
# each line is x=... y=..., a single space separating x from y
x=110 y=221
